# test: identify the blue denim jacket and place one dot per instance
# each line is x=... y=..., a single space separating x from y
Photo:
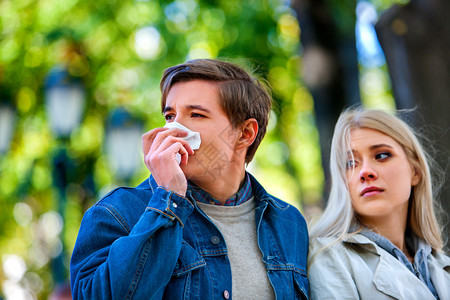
x=151 y=243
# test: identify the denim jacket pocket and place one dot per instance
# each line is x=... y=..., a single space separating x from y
x=187 y=275
x=188 y=260
x=289 y=281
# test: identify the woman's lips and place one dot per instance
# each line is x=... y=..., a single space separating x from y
x=371 y=191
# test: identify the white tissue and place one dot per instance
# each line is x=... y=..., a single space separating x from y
x=193 y=138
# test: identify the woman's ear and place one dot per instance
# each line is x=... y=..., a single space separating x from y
x=415 y=177
x=249 y=130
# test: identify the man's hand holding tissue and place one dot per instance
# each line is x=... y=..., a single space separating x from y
x=161 y=146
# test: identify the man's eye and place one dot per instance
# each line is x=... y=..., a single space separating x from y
x=168 y=117
x=196 y=115
x=383 y=155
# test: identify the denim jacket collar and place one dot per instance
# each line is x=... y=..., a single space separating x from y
x=258 y=191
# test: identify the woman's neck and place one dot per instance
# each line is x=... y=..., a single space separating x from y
x=393 y=229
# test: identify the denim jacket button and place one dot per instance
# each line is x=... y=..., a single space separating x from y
x=215 y=240
x=226 y=294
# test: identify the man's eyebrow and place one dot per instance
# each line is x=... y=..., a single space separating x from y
x=167 y=108
x=199 y=107
x=189 y=107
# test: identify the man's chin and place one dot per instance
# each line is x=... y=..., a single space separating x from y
x=190 y=171
x=196 y=173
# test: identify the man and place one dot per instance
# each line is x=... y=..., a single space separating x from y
x=200 y=227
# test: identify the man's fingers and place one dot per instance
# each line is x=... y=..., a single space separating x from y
x=148 y=138
x=162 y=135
x=184 y=147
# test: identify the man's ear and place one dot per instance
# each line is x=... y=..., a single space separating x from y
x=248 y=132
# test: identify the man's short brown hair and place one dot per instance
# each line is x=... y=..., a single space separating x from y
x=242 y=96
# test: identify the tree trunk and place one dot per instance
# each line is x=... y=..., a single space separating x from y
x=330 y=66
x=416 y=42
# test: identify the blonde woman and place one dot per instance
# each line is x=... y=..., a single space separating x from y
x=378 y=237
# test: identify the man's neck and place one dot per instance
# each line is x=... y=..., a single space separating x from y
x=225 y=186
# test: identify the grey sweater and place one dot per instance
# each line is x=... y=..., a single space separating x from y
x=237 y=225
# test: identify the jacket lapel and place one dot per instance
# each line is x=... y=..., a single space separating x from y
x=439 y=267
x=383 y=279
x=393 y=279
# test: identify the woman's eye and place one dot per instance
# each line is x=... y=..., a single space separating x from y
x=383 y=155
x=351 y=164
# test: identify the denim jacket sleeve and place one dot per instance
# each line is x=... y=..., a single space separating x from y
x=114 y=259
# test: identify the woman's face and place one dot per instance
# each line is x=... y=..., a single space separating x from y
x=379 y=176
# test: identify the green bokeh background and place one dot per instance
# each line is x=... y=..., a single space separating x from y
x=96 y=41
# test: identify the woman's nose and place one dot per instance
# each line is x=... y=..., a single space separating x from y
x=367 y=173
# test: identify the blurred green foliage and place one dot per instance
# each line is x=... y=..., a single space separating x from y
x=119 y=49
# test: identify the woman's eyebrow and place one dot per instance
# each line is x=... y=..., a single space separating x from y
x=374 y=147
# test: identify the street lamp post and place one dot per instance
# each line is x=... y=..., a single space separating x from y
x=7 y=120
x=65 y=100
x=123 y=144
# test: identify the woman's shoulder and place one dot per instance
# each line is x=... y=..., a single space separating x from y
x=327 y=242
x=331 y=245
x=340 y=258
x=325 y=247
x=330 y=266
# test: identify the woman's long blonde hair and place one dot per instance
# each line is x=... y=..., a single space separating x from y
x=339 y=214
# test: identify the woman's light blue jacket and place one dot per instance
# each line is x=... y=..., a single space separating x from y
x=357 y=268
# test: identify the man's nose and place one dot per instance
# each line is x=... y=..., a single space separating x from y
x=179 y=119
x=182 y=118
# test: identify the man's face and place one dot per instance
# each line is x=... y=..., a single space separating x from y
x=195 y=104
